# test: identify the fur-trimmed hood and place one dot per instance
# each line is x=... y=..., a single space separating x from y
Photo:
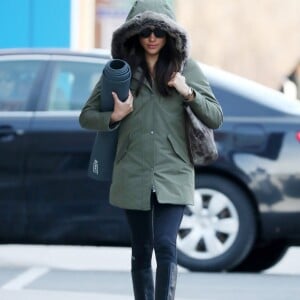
x=143 y=14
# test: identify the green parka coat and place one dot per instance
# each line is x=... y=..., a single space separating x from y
x=152 y=151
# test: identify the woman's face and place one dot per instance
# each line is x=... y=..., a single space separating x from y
x=152 y=40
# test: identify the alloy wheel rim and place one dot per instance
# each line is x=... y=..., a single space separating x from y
x=209 y=227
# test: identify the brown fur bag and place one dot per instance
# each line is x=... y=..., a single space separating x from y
x=200 y=139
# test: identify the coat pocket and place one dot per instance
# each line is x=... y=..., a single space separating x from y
x=179 y=149
x=122 y=150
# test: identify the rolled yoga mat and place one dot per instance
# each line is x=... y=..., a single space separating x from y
x=116 y=78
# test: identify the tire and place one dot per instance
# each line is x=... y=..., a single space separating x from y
x=263 y=257
x=219 y=231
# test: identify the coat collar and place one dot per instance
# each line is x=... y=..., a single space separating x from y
x=138 y=74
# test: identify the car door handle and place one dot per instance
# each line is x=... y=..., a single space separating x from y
x=8 y=133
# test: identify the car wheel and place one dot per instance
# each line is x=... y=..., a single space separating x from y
x=219 y=230
x=262 y=257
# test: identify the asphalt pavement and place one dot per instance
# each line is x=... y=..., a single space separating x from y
x=103 y=273
x=114 y=285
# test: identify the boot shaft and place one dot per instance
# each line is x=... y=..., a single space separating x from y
x=143 y=285
x=165 y=283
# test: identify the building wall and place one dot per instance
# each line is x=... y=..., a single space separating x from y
x=258 y=39
x=110 y=14
x=34 y=23
x=82 y=24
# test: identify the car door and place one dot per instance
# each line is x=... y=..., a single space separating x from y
x=65 y=205
x=19 y=78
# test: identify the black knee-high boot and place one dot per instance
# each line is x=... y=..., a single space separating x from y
x=165 y=283
x=143 y=285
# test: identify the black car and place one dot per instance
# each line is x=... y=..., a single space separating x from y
x=247 y=203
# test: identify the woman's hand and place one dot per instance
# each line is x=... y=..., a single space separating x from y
x=178 y=82
x=121 y=109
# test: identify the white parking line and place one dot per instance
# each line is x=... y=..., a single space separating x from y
x=25 y=278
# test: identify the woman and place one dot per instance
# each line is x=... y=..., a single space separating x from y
x=153 y=177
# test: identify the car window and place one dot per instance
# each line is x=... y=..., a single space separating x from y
x=16 y=83
x=237 y=105
x=72 y=83
x=248 y=104
x=242 y=97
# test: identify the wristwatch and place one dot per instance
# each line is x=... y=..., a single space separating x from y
x=191 y=95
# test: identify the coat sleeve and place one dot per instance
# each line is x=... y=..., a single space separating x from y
x=91 y=117
x=205 y=106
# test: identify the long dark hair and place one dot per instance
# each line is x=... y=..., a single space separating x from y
x=170 y=61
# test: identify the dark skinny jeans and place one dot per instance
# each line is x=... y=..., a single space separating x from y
x=154 y=229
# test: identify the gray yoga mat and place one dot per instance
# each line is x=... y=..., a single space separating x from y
x=115 y=78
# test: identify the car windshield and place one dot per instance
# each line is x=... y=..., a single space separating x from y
x=251 y=90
